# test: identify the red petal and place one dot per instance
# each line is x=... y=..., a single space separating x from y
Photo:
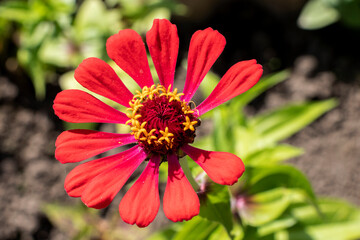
x=101 y=190
x=180 y=200
x=141 y=203
x=127 y=49
x=222 y=167
x=77 y=180
x=97 y=76
x=205 y=47
x=163 y=43
x=79 y=107
x=238 y=79
x=80 y=144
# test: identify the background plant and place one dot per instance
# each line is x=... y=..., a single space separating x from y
x=273 y=200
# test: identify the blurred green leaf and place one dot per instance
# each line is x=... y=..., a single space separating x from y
x=272 y=155
x=349 y=12
x=247 y=140
x=37 y=70
x=264 y=178
x=197 y=228
x=332 y=211
x=276 y=225
x=339 y=221
x=222 y=136
x=209 y=83
x=215 y=205
x=264 y=84
x=56 y=52
x=15 y=11
x=165 y=234
x=94 y=20
x=75 y=220
x=264 y=207
x=281 y=123
x=317 y=14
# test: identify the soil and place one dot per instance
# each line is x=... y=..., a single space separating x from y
x=322 y=67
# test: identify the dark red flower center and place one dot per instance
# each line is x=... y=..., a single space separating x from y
x=160 y=121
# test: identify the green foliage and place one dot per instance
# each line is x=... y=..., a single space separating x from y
x=215 y=205
x=37 y=23
x=321 y=13
x=80 y=222
x=56 y=35
x=270 y=200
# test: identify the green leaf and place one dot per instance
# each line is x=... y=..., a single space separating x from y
x=76 y=221
x=36 y=70
x=219 y=233
x=215 y=205
x=276 y=225
x=264 y=178
x=209 y=83
x=317 y=14
x=93 y=20
x=349 y=12
x=339 y=221
x=247 y=141
x=55 y=51
x=272 y=155
x=197 y=228
x=264 y=84
x=222 y=136
x=281 y=123
x=265 y=207
x=165 y=234
x=15 y=11
x=332 y=211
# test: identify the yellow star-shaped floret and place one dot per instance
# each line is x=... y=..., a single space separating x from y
x=189 y=124
x=165 y=135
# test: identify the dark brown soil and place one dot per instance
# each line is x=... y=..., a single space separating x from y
x=322 y=68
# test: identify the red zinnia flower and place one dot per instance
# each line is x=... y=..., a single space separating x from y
x=161 y=121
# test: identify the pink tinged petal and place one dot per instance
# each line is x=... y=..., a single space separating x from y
x=205 y=47
x=237 y=80
x=97 y=76
x=163 y=43
x=77 y=180
x=101 y=190
x=180 y=200
x=128 y=51
x=141 y=203
x=80 y=144
x=222 y=167
x=80 y=107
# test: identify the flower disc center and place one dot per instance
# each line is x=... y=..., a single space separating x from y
x=160 y=121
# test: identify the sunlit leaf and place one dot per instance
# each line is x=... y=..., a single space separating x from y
x=197 y=228
x=208 y=84
x=339 y=221
x=223 y=139
x=263 y=178
x=265 y=83
x=272 y=155
x=276 y=225
x=317 y=14
x=281 y=123
x=264 y=207
x=165 y=234
x=215 y=205
x=15 y=11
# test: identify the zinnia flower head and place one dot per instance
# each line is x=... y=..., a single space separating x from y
x=162 y=123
